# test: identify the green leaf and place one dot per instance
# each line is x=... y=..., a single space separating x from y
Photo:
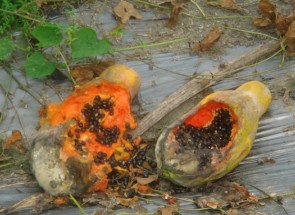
x=37 y=66
x=5 y=48
x=87 y=45
x=47 y=35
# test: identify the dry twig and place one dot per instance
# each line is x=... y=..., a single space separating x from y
x=198 y=84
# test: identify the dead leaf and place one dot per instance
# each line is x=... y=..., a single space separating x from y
x=224 y=193
x=213 y=201
x=170 y=199
x=128 y=202
x=125 y=11
x=147 y=180
x=227 y=4
x=267 y=9
x=174 y=15
x=143 y=188
x=232 y=211
x=290 y=39
x=270 y=160
x=94 y=198
x=61 y=200
x=82 y=74
x=167 y=210
x=85 y=73
x=120 y=200
x=212 y=37
x=245 y=192
x=40 y=3
x=282 y=23
x=15 y=142
x=214 y=204
x=28 y=202
x=262 y=22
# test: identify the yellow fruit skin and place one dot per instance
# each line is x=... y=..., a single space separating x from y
x=125 y=75
x=248 y=102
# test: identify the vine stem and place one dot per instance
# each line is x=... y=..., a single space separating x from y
x=21 y=86
x=78 y=205
x=252 y=32
x=20 y=15
x=199 y=8
x=270 y=197
x=67 y=66
x=150 y=45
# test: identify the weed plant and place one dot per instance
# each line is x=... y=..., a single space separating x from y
x=17 y=14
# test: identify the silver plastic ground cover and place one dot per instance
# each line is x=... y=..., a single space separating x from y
x=275 y=138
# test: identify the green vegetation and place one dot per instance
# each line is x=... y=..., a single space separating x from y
x=18 y=14
x=24 y=16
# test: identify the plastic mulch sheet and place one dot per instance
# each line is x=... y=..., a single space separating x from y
x=270 y=166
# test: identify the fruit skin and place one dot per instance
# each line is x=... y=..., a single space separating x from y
x=129 y=78
x=59 y=168
x=246 y=104
x=50 y=171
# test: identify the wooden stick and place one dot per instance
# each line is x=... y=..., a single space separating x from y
x=199 y=83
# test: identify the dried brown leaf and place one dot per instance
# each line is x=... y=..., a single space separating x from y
x=245 y=192
x=120 y=200
x=125 y=11
x=212 y=37
x=168 y=198
x=267 y=9
x=261 y=22
x=85 y=73
x=213 y=201
x=227 y=4
x=61 y=200
x=31 y=201
x=223 y=194
x=174 y=15
x=15 y=142
x=232 y=211
x=282 y=24
x=40 y=3
x=167 y=210
x=290 y=39
x=128 y=202
x=141 y=188
x=82 y=74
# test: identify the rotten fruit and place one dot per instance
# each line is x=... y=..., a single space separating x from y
x=83 y=144
x=214 y=137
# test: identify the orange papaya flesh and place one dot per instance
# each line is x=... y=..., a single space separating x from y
x=213 y=125
x=100 y=116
